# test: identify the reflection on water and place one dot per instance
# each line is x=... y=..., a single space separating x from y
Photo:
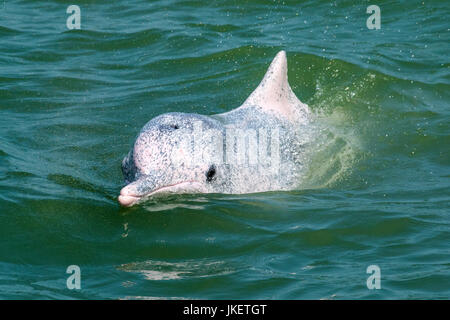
x=163 y=270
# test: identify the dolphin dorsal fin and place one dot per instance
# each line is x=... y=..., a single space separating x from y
x=275 y=95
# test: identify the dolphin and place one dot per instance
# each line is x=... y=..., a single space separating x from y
x=256 y=147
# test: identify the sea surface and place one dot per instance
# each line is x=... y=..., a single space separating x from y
x=376 y=193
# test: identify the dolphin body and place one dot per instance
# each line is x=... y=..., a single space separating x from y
x=256 y=147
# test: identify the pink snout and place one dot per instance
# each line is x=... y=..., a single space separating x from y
x=128 y=196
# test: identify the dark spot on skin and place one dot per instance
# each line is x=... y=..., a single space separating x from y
x=211 y=173
x=168 y=127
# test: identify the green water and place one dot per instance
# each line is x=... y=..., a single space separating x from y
x=377 y=189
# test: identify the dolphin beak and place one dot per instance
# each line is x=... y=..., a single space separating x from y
x=135 y=191
x=127 y=197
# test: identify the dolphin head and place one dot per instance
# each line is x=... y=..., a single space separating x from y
x=169 y=156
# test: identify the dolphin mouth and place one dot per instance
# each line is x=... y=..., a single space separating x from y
x=127 y=198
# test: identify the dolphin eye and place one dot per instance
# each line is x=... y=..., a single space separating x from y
x=210 y=173
x=174 y=126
